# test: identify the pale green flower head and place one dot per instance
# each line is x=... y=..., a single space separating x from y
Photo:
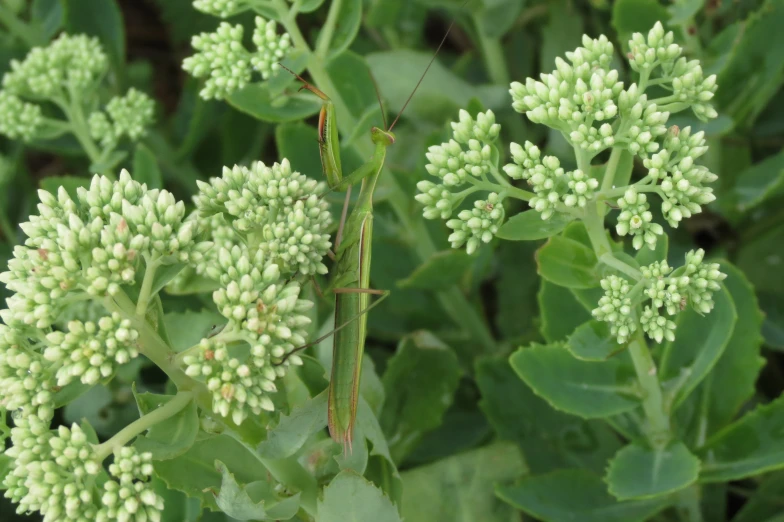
x=70 y=64
x=228 y=66
x=18 y=119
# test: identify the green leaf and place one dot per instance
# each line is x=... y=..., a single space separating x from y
x=732 y=381
x=561 y=33
x=645 y=256
x=256 y=100
x=529 y=225
x=759 y=182
x=516 y=288
x=754 y=66
x=498 y=16
x=592 y=341
x=637 y=16
x=48 y=16
x=349 y=497
x=172 y=437
x=101 y=19
x=575 y=495
x=683 y=10
x=293 y=430
x=350 y=75
x=237 y=503
x=640 y=472
x=187 y=328
x=398 y=71
x=549 y=438
x=759 y=259
x=699 y=343
x=589 y=389
x=568 y=263
x=145 y=167
x=461 y=487
x=561 y=312
x=750 y=446
x=420 y=382
x=194 y=471
x=308 y=6
x=440 y=271
x=349 y=19
x=773 y=326
x=69 y=183
x=299 y=143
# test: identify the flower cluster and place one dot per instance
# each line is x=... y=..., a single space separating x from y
x=67 y=74
x=91 y=351
x=271 y=226
x=660 y=289
x=636 y=220
x=467 y=159
x=274 y=209
x=57 y=474
x=228 y=66
x=129 y=115
x=221 y=8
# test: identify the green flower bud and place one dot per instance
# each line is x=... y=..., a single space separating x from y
x=18 y=119
x=637 y=220
x=478 y=225
x=615 y=308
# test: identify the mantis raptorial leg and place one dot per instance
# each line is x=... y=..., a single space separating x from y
x=351 y=282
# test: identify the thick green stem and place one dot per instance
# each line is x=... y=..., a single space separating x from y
x=612 y=166
x=122 y=437
x=493 y=55
x=658 y=422
x=325 y=38
x=152 y=264
x=452 y=300
x=150 y=343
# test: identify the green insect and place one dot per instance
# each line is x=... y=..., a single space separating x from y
x=351 y=282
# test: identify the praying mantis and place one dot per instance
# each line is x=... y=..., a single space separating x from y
x=351 y=282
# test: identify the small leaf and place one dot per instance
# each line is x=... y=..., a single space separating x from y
x=293 y=430
x=440 y=271
x=761 y=181
x=145 y=167
x=640 y=472
x=699 y=343
x=169 y=438
x=575 y=495
x=461 y=487
x=350 y=497
x=632 y=16
x=256 y=100
x=420 y=382
x=588 y=389
x=568 y=263
x=592 y=341
x=349 y=19
x=750 y=446
x=529 y=225
x=187 y=328
x=236 y=501
x=102 y=19
x=561 y=312
x=732 y=380
x=299 y=144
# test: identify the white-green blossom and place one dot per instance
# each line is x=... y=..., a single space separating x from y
x=221 y=8
x=277 y=210
x=131 y=497
x=656 y=326
x=26 y=380
x=635 y=219
x=70 y=64
x=228 y=66
x=478 y=225
x=615 y=307
x=91 y=351
x=129 y=115
x=18 y=119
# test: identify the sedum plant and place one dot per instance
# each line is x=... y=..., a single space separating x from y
x=654 y=332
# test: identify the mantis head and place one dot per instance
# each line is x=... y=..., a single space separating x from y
x=381 y=136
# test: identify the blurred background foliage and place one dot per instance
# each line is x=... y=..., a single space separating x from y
x=483 y=306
